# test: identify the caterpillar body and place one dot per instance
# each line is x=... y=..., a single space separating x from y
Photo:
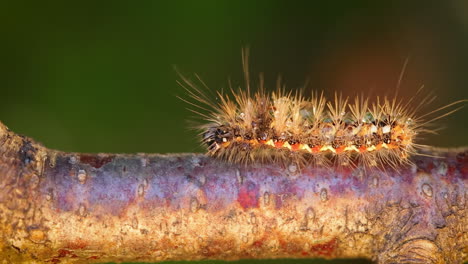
x=285 y=127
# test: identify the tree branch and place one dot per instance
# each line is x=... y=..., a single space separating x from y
x=58 y=207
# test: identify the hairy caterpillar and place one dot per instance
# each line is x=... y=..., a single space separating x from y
x=285 y=127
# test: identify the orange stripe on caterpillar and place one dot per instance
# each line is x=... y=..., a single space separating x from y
x=297 y=147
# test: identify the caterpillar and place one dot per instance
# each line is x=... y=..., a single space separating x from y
x=291 y=128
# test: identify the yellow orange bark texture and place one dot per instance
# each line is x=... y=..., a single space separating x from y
x=58 y=207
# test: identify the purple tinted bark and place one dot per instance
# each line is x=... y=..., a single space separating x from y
x=58 y=207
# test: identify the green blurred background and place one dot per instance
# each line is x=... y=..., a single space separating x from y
x=98 y=76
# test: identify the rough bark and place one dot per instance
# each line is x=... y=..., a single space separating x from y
x=58 y=207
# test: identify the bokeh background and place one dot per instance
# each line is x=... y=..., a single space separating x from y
x=98 y=76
